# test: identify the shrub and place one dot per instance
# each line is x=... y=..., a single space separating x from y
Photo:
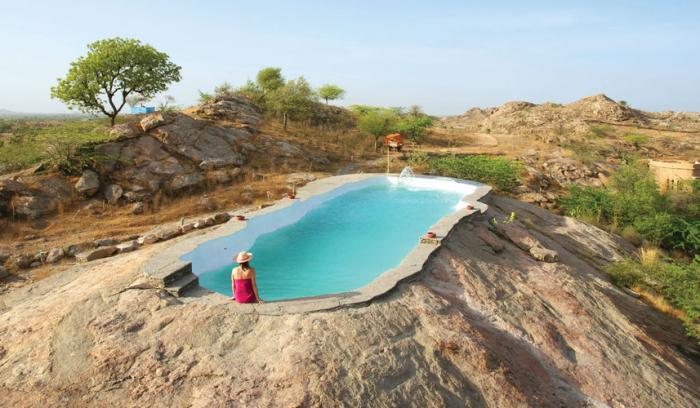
x=677 y=282
x=501 y=173
x=631 y=235
x=587 y=203
x=632 y=202
x=600 y=131
x=636 y=139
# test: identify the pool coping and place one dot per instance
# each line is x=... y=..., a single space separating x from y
x=168 y=261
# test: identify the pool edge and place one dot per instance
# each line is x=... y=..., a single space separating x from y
x=167 y=263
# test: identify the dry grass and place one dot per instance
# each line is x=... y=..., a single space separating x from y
x=79 y=225
x=659 y=303
x=649 y=256
x=630 y=235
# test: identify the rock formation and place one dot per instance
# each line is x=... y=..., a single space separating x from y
x=485 y=324
x=166 y=152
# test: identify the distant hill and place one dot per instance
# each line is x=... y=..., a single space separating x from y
x=8 y=114
x=523 y=118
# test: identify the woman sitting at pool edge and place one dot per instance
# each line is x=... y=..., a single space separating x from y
x=243 y=283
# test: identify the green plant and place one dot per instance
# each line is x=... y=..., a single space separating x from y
x=635 y=139
x=114 y=69
x=678 y=282
x=205 y=97
x=5 y=126
x=418 y=158
x=599 y=131
x=500 y=172
x=30 y=140
x=632 y=201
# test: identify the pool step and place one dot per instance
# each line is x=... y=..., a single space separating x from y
x=182 y=284
x=174 y=276
x=176 y=273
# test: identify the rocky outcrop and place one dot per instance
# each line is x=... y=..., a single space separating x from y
x=165 y=152
x=232 y=108
x=477 y=327
x=548 y=120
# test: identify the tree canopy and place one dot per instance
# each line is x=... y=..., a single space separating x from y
x=112 y=70
x=294 y=100
x=269 y=79
x=330 y=92
x=378 y=121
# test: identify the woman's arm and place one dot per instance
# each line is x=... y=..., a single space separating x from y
x=233 y=285
x=255 y=287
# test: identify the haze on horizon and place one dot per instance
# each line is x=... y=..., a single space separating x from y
x=446 y=56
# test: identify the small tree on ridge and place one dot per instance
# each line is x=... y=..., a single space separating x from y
x=112 y=70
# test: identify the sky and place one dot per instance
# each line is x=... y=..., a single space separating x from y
x=446 y=56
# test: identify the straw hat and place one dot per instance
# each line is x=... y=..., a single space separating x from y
x=244 y=257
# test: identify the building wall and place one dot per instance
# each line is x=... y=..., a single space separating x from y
x=670 y=174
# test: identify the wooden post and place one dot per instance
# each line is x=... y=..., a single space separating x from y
x=388 y=157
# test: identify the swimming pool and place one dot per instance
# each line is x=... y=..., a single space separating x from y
x=334 y=242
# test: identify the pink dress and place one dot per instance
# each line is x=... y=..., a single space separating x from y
x=243 y=291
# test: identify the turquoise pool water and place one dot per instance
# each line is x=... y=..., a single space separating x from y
x=341 y=244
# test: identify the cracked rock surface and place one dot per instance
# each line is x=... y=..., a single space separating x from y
x=483 y=325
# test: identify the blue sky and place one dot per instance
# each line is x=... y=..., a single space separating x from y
x=446 y=56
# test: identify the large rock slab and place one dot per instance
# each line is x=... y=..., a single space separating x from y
x=201 y=142
x=96 y=253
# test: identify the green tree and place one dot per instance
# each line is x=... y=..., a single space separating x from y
x=414 y=126
x=112 y=70
x=378 y=123
x=270 y=79
x=294 y=100
x=330 y=92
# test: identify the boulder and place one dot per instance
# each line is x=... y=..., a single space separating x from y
x=185 y=228
x=137 y=208
x=113 y=193
x=181 y=181
x=40 y=257
x=124 y=131
x=34 y=206
x=519 y=235
x=168 y=233
x=221 y=218
x=96 y=253
x=88 y=184
x=105 y=242
x=127 y=246
x=21 y=261
x=543 y=254
x=147 y=239
x=55 y=255
x=4 y=273
x=152 y=121
x=199 y=224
